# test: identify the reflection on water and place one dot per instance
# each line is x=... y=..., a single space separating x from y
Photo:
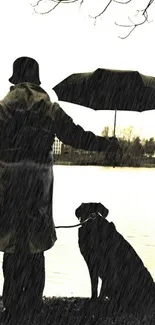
x=128 y=193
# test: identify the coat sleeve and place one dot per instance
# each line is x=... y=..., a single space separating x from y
x=74 y=135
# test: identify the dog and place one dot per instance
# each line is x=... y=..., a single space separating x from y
x=125 y=280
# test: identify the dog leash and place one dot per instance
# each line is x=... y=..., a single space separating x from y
x=79 y=224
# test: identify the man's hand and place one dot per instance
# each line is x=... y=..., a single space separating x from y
x=114 y=145
x=112 y=149
x=109 y=144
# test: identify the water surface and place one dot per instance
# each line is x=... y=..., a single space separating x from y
x=128 y=193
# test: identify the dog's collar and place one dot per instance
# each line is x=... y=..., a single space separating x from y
x=93 y=215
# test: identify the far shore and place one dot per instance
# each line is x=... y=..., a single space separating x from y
x=70 y=163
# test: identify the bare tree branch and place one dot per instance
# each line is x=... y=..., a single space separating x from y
x=144 y=13
x=122 y=3
x=37 y=3
x=45 y=12
x=133 y=25
x=102 y=12
x=109 y=3
x=65 y=1
x=58 y=2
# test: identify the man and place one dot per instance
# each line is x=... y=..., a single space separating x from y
x=29 y=122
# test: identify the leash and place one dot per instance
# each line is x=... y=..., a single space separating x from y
x=79 y=224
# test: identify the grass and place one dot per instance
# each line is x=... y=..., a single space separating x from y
x=81 y=311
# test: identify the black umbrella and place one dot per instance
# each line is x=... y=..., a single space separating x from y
x=106 y=89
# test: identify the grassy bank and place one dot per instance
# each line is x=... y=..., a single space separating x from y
x=80 y=311
x=70 y=163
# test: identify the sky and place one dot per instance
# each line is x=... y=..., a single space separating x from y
x=66 y=41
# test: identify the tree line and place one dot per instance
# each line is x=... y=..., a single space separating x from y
x=135 y=152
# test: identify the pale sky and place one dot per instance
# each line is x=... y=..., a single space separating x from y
x=66 y=41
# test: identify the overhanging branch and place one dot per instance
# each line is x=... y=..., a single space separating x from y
x=57 y=2
x=109 y=3
x=133 y=25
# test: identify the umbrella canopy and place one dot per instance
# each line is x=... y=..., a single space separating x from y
x=106 y=89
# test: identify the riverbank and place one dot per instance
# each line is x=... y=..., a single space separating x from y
x=70 y=163
x=80 y=311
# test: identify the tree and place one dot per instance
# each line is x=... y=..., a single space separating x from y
x=105 y=132
x=141 y=14
x=149 y=147
x=126 y=134
x=136 y=147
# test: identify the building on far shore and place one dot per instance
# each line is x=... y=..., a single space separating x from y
x=57 y=146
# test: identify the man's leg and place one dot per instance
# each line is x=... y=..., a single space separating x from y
x=9 y=287
x=35 y=287
x=12 y=287
x=24 y=280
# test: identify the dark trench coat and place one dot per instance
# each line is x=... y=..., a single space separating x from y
x=28 y=125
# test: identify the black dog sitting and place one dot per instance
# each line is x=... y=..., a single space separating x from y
x=125 y=280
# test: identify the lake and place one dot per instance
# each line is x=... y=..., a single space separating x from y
x=128 y=193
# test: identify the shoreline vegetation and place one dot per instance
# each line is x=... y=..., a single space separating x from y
x=98 y=160
x=134 y=153
x=70 y=163
x=81 y=311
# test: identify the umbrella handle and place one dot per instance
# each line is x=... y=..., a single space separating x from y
x=114 y=132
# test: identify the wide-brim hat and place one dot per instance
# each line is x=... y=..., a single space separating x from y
x=25 y=69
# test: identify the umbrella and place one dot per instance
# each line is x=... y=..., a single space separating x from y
x=105 y=89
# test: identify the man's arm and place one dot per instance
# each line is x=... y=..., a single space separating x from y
x=74 y=135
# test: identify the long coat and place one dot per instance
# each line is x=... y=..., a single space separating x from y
x=28 y=125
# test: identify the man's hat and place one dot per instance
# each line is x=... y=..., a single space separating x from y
x=25 y=69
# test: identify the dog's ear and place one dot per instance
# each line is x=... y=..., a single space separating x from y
x=103 y=210
x=78 y=210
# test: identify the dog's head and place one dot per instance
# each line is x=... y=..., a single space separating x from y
x=86 y=210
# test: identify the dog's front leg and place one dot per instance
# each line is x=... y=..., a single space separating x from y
x=94 y=281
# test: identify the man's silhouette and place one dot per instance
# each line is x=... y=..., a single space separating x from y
x=29 y=122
